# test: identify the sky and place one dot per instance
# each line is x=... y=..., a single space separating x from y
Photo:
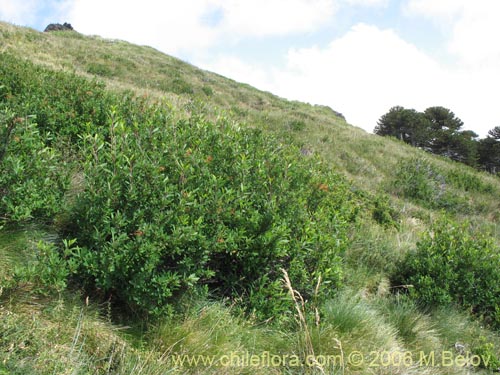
x=360 y=57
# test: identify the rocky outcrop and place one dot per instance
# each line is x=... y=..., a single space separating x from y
x=58 y=27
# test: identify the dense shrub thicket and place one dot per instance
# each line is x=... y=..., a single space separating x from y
x=63 y=104
x=453 y=264
x=161 y=206
x=166 y=207
x=154 y=206
x=43 y=115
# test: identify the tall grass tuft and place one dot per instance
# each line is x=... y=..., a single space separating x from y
x=300 y=307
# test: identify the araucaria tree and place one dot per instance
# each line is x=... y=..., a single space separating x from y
x=407 y=125
x=436 y=130
x=489 y=151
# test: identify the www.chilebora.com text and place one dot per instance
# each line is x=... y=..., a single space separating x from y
x=353 y=359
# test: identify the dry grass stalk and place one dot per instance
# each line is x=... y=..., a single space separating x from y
x=301 y=311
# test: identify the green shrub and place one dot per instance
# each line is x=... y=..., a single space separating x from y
x=452 y=264
x=47 y=271
x=486 y=349
x=418 y=179
x=100 y=70
x=297 y=125
x=33 y=176
x=62 y=103
x=170 y=207
x=207 y=90
x=468 y=181
x=383 y=213
x=179 y=86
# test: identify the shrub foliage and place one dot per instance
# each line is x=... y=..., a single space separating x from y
x=170 y=206
x=63 y=104
x=452 y=264
x=161 y=206
x=33 y=177
x=421 y=181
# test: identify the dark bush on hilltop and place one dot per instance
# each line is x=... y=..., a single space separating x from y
x=58 y=27
x=454 y=265
x=169 y=207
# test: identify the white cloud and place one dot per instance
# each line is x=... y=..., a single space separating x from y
x=18 y=12
x=475 y=99
x=181 y=26
x=362 y=74
x=233 y=67
x=475 y=35
x=369 y=3
x=432 y=8
x=472 y=30
x=472 y=26
x=275 y=17
x=367 y=71
x=167 y=25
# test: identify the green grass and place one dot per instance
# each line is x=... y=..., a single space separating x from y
x=74 y=333
x=17 y=244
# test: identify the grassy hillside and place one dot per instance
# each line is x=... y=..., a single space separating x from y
x=100 y=136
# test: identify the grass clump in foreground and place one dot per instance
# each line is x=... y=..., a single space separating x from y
x=40 y=336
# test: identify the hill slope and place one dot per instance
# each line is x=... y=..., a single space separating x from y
x=401 y=191
x=367 y=159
